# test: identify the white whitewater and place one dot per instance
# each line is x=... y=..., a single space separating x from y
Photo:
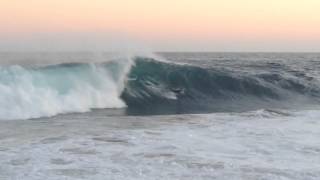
x=31 y=92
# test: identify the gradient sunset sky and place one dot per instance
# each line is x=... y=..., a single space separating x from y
x=161 y=25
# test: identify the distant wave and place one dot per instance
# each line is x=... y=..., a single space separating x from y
x=147 y=86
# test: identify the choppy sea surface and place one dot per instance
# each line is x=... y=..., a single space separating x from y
x=164 y=116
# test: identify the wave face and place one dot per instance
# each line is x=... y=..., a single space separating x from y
x=32 y=92
x=156 y=87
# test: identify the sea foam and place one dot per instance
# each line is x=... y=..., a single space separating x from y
x=32 y=92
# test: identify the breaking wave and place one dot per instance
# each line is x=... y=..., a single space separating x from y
x=32 y=92
x=146 y=86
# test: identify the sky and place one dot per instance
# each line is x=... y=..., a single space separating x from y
x=160 y=25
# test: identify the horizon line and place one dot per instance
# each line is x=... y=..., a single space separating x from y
x=169 y=51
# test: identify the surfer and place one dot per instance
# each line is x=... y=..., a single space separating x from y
x=178 y=91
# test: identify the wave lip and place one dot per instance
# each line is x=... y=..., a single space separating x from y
x=27 y=92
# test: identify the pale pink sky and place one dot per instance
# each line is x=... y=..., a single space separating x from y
x=209 y=25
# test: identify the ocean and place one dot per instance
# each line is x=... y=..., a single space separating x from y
x=97 y=116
